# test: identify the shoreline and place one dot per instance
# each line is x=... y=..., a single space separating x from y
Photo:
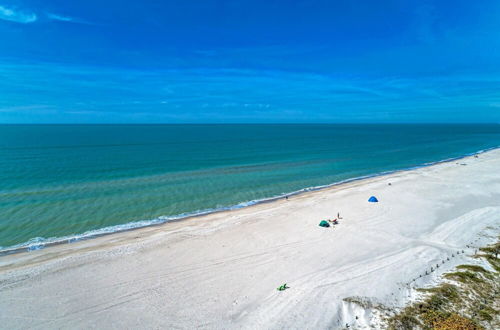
x=31 y=246
x=223 y=272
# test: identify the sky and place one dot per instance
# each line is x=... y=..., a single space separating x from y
x=249 y=61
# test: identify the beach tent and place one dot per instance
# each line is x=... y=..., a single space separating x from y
x=324 y=223
x=373 y=199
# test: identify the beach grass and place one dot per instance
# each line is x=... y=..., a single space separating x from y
x=468 y=300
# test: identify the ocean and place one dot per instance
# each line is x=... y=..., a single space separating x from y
x=68 y=182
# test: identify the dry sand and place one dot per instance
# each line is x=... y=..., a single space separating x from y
x=222 y=270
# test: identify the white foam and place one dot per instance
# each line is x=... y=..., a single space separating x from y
x=38 y=243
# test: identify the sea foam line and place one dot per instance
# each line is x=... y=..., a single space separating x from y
x=39 y=243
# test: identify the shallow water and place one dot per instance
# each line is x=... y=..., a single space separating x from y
x=64 y=180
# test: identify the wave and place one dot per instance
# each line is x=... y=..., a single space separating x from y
x=39 y=243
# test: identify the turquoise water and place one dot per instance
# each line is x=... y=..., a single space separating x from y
x=65 y=180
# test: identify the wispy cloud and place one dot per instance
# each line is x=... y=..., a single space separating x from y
x=17 y=15
x=23 y=108
x=98 y=94
x=62 y=18
x=14 y=14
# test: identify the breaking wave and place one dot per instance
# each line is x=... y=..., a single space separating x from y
x=39 y=243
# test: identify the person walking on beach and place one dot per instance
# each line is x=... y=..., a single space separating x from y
x=338 y=215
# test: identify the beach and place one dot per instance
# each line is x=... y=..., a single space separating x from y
x=221 y=270
x=68 y=182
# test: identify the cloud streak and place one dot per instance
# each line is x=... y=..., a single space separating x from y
x=16 y=15
x=237 y=95
x=61 y=18
x=66 y=19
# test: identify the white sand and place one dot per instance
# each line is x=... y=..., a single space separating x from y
x=222 y=270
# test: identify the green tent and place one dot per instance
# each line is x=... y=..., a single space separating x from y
x=324 y=223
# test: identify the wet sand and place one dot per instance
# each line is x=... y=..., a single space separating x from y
x=222 y=270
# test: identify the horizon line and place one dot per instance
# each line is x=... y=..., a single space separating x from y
x=253 y=123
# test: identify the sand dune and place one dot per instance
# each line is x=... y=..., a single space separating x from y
x=222 y=270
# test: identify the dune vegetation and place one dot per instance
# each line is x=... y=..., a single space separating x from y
x=468 y=299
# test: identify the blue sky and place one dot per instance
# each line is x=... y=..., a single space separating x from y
x=249 y=61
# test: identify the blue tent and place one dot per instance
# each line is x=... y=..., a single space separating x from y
x=373 y=199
